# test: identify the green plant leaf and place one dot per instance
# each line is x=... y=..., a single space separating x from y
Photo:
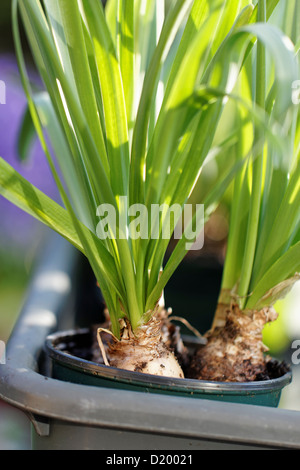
x=276 y=280
x=24 y=195
x=125 y=47
x=83 y=202
x=139 y=143
x=26 y=136
x=112 y=96
x=136 y=104
x=65 y=17
x=101 y=260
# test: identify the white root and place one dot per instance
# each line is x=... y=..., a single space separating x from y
x=101 y=345
x=189 y=326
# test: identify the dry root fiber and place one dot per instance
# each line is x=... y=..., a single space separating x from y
x=234 y=352
x=142 y=351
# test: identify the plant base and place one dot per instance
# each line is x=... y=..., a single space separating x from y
x=72 y=357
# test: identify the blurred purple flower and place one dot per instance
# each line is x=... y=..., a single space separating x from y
x=18 y=229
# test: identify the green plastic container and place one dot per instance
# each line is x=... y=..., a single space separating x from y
x=68 y=367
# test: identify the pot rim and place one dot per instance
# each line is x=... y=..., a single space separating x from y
x=139 y=378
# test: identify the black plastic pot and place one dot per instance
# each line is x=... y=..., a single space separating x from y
x=71 y=368
x=66 y=415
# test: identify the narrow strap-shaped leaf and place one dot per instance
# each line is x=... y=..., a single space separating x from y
x=278 y=177
x=27 y=197
x=183 y=181
x=210 y=203
x=282 y=53
x=146 y=14
x=184 y=171
x=34 y=202
x=117 y=136
x=198 y=14
x=74 y=49
x=173 y=117
x=169 y=130
x=74 y=177
x=200 y=23
x=26 y=136
x=270 y=7
x=95 y=78
x=54 y=21
x=239 y=204
x=286 y=73
x=180 y=250
x=101 y=260
x=112 y=95
x=213 y=197
x=257 y=169
x=235 y=46
x=273 y=283
x=187 y=173
x=111 y=8
x=125 y=48
x=175 y=259
x=139 y=142
x=63 y=96
x=44 y=54
x=286 y=222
